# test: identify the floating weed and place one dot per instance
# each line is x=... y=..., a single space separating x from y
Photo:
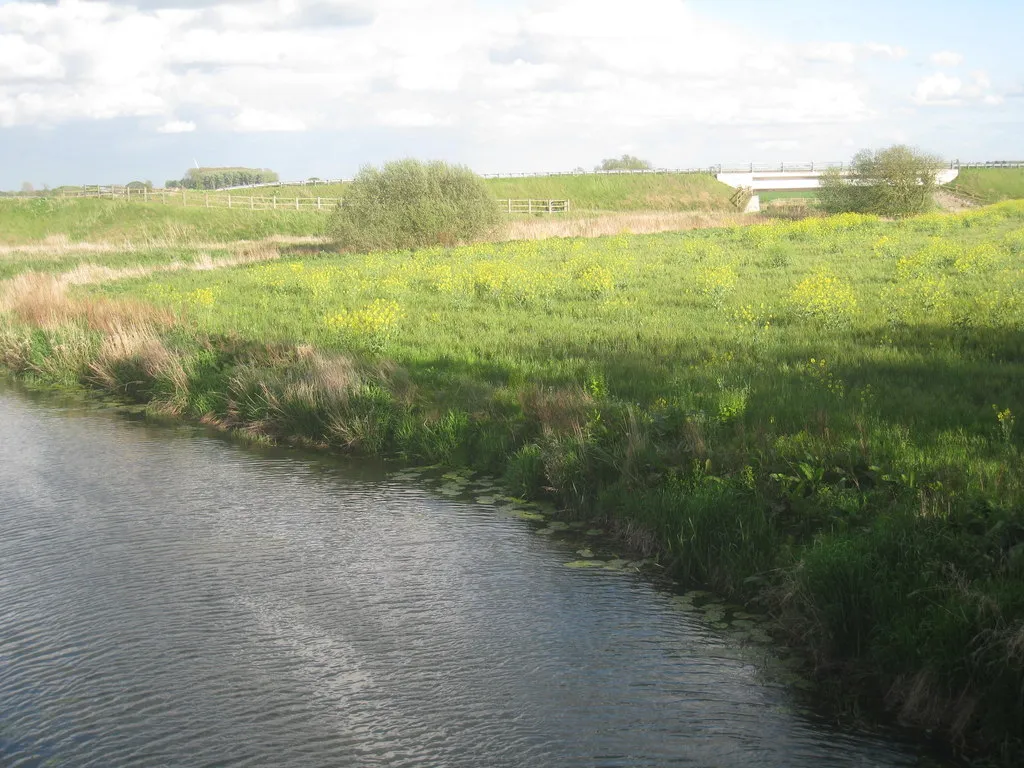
x=585 y=564
x=532 y=516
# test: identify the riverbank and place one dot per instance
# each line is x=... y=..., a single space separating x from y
x=818 y=416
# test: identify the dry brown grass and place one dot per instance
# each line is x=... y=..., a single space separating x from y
x=561 y=410
x=136 y=344
x=57 y=247
x=599 y=225
x=43 y=301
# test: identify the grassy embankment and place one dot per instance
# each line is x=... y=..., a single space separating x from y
x=989 y=185
x=122 y=222
x=602 y=205
x=673 y=192
x=819 y=415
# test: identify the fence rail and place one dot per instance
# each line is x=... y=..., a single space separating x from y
x=534 y=206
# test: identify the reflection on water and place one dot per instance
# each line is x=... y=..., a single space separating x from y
x=168 y=598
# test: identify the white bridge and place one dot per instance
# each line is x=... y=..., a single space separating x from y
x=794 y=176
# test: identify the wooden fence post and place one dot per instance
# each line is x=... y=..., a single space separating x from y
x=229 y=201
x=252 y=205
x=296 y=203
x=207 y=198
x=318 y=203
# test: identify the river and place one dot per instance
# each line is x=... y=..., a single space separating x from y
x=172 y=598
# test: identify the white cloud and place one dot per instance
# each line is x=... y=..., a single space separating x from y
x=894 y=52
x=257 y=121
x=293 y=65
x=851 y=53
x=946 y=59
x=177 y=126
x=940 y=89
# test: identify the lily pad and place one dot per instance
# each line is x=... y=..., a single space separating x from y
x=558 y=525
x=488 y=500
x=594 y=532
x=760 y=636
x=713 y=613
x=616 y=564
x=585 y=564
x=585 y=553
x=526 y=515
x=544 y=531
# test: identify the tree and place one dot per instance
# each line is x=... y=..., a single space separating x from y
x=27 y=188
x=897 y=181
x=217 y=178
x=411 y=204
x=624 y=163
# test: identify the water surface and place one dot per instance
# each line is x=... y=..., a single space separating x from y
x=170 y=598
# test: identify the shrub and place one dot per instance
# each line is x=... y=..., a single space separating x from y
x=898 y=181
x=411 y=204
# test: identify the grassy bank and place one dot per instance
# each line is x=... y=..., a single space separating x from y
x=135 y=223
x=822 y=416
x=990 y=185
x=612 y=192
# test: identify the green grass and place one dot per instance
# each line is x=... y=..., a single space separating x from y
x=824 y=416
x=113 y=221
x=626 y=192
x=990 y=185
x=588 y=192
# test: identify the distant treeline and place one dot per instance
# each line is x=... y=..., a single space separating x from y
x=217 y=178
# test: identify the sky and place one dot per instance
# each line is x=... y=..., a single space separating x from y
x=110 y=91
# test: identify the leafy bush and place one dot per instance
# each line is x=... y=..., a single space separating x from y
x=412 y=204
x=898 y=181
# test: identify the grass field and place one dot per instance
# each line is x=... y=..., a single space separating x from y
x=135 y=223
x=788 y=194
x=640 y=192
x=821 y=416
x=990 y=185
